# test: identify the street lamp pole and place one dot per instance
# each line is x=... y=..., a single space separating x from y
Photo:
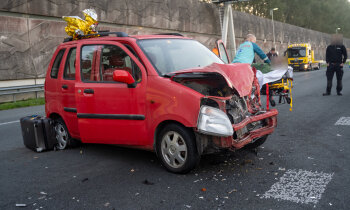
x=336 y=30
x=273 y=26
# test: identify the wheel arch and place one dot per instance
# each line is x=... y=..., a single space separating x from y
x=162 y=125
x=54 y=116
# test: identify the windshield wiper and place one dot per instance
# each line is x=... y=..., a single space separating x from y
x=168 y=75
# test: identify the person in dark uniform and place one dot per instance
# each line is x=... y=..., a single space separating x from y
x=272 y=54
x=336 y=56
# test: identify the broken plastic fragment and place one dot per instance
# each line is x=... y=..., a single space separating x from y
x=21 y=205
x=234 y=190
x=146 y=182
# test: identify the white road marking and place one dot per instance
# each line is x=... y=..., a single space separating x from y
x=300 y=186
x=343 y=121
x=5 y=123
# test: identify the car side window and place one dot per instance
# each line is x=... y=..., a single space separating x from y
x=98 y=62
x=56 y=64
x=69 y=69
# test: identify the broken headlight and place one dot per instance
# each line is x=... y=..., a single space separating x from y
x=213 y=121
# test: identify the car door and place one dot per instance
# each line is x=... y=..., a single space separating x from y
x=110 y=112
x=222 y=51
x=52 y=102
x=67 y=92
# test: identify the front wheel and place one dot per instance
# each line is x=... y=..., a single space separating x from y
x=176 y=148
x=258 y=142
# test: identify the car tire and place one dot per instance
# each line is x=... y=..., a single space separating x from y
x=176 y=148
x=63 y=137
x=258 y=142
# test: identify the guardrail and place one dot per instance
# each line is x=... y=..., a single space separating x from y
x=21 y=89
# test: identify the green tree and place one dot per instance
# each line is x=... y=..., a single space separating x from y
x=320 y=15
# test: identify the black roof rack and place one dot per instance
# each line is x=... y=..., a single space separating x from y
x=106 y=33
x=174 y=34
x=100 y=33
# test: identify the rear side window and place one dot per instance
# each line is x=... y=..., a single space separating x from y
x=56 y=64
x=69 y=69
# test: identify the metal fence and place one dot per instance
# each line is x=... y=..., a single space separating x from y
x=21 y=89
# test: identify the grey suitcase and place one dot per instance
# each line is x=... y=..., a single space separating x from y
x=38 y=133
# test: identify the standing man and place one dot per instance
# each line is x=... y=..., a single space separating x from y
x=247 y=50
x=272 y=54
x=336 y=56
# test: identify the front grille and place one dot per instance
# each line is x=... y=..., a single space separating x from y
x=296 y=61
x=237 y=109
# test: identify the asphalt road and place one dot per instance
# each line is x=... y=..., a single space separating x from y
x=305 y=164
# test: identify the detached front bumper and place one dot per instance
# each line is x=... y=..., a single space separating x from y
x=270 y=118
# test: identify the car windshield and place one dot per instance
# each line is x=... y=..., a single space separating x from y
x=171 y=55
x=297 y=52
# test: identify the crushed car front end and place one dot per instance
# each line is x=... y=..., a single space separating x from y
x=230 y=125
x=231 y=115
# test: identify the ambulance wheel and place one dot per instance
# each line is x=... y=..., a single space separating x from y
x=176 y=148
x=258 y=142
x=62 y=135
x=288 y=100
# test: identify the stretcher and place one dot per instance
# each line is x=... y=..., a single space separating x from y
x=277 y=83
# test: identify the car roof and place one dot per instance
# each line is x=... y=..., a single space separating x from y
x=138 y=37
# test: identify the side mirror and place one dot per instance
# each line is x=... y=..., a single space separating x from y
x=123 y=76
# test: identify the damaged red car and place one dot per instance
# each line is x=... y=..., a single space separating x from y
x=164 y=93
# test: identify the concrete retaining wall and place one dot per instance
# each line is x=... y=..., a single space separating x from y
x=31 y=30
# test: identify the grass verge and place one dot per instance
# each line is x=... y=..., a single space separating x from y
x=25 y=103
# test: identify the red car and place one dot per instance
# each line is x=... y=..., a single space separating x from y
x=164 y=93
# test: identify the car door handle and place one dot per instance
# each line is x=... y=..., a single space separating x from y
x=89 y=91
x=65 y=87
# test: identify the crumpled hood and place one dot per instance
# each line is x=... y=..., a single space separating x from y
x=238 y=76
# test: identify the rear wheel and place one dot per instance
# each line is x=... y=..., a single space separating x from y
x=176 y=148
x=62 y=135
x=258 y=142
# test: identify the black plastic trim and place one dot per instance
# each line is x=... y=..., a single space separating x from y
x=112 y=116
x=67 y=109
x=170 y=34
x=89 y=91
